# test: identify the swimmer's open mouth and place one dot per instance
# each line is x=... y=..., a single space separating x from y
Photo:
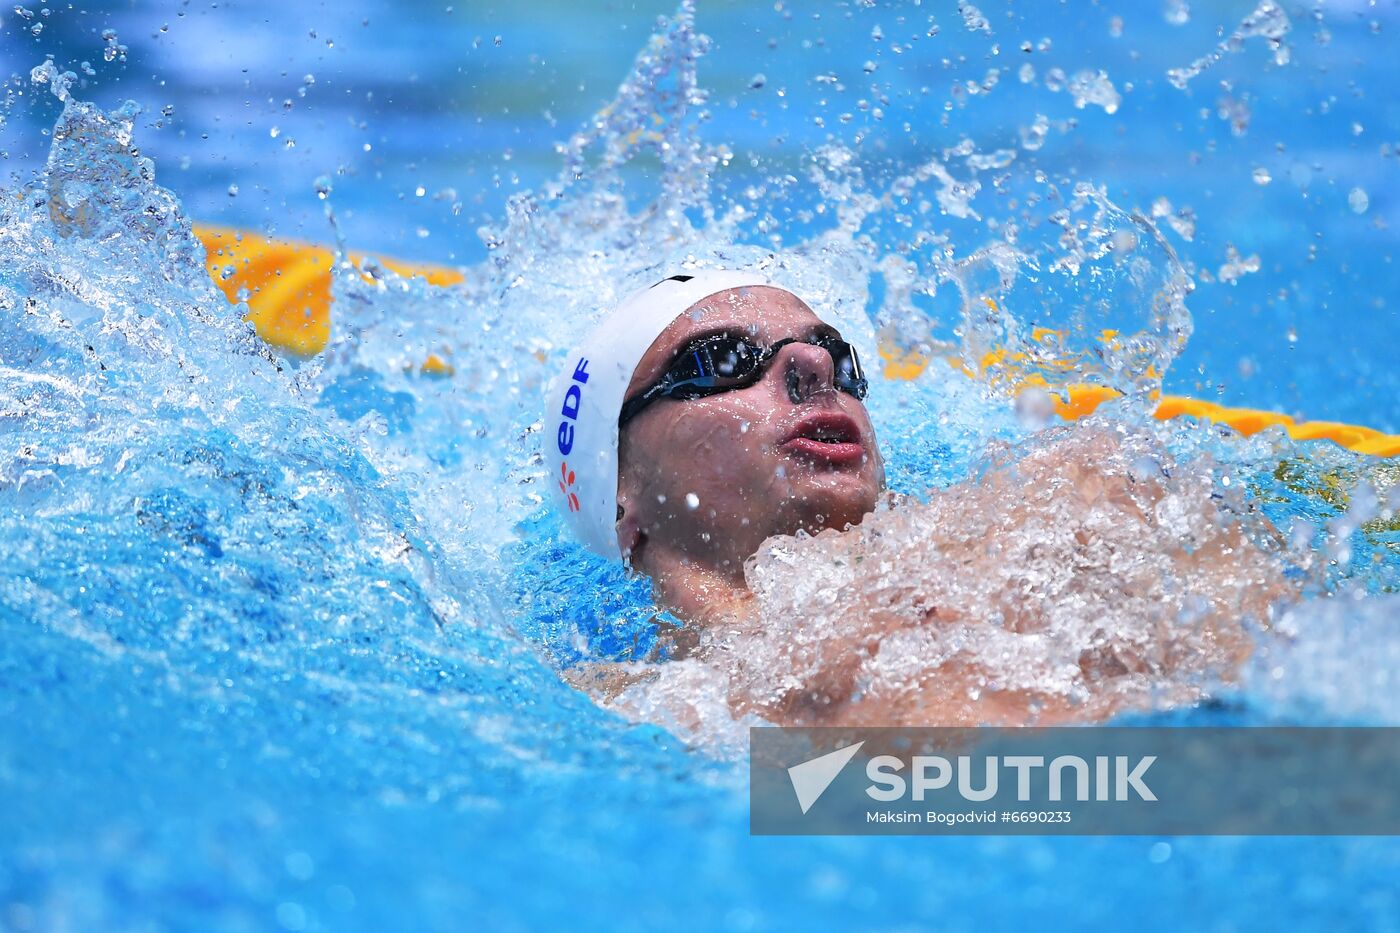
x=829 y=437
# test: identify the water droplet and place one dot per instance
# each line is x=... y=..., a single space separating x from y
x=323 y=187
x=1262 y=176
x=1034 y=408
x=274 y=132
x=1359 y=200
x=758 y=80
x=496 y=42
x=233 y=191
x=1089 y=87
x=973 y=18
x=1144 y=468
x=1236 y=266
x=692 y=501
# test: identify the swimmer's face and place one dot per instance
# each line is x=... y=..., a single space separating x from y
x=709 y=479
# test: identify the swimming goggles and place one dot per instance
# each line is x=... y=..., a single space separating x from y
x=723 y=362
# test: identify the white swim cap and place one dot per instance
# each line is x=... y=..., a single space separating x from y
x=585 y=398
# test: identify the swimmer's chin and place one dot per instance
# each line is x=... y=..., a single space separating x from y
x=844 y=493
x=835 y=519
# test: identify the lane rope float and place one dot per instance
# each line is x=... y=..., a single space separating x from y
x=287 y=285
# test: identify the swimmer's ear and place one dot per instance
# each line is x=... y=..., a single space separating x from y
x=629 y=536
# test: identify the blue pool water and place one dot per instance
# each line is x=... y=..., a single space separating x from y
x=280 y=640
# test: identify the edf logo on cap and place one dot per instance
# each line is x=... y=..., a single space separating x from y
x=573 y=398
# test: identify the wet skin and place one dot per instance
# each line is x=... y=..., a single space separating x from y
x=703 y=482
x=762 y=461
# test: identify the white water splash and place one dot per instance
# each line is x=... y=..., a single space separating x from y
x=1339 y=656
x=1094 y=574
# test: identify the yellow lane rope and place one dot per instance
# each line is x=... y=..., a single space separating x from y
x=288 y=283
x=288 y=289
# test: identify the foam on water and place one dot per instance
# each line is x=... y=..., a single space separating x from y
x=1092 y=573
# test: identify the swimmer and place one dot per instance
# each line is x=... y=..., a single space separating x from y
x=714 y=416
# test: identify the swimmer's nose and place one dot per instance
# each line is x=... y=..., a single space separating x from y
x=807 y=371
